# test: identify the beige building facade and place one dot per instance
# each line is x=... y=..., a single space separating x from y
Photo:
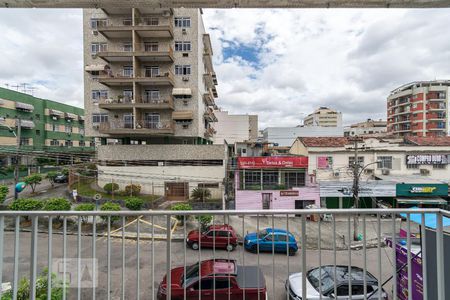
x=235 y=128
x=325 y=117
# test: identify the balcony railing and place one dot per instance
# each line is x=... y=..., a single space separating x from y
x=97 y=254
x=140 y=127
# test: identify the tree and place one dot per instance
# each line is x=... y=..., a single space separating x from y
x=65 y=171
x=51 y=177
x=111 y=187
x=26 y=204
x=200 y=194
x=133 y=189
x=134 y=203
x=33 y=180
x=85 y=207
x=109 y=206
x=181 y=206
x=58 y=204
x=3 y=193
x=204 y=221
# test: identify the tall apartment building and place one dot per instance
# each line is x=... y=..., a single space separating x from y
x=419 y=109
x=45 y=125
x=368 y=127
x=149 y=77
x=235 y=128
x=325 y=117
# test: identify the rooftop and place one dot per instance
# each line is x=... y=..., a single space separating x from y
x=330 y=141
x=428 y=141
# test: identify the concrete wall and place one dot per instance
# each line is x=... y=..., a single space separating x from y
x=234 y=128
x=285 y=136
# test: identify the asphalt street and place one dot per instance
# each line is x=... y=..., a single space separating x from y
x=152 y=256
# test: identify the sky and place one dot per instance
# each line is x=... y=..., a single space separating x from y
x=279 y=64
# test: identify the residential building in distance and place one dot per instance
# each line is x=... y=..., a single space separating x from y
x=324 y=117
x=150 y=85
x=235 y=128
x=366 y=128
x=419 y=109
x=285 y=136
x=45 y=125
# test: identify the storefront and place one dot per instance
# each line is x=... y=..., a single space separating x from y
x=421 y=194
x=274 y=182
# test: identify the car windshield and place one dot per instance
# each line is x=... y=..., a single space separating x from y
x=262 y=233
x=191 y=273
x=326 y=280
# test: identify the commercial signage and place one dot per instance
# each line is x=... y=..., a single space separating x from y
x=414 y=190
x=289 y=193
x=324 y=162
x=428 y=159
x=371 y=188
x=272 y=162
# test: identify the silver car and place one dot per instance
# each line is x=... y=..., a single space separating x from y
x=328 y=280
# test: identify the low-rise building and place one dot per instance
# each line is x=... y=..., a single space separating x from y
x=367 y=128
x=325 y=117
x=235 y=128
x=285 y=136
x=45 y=125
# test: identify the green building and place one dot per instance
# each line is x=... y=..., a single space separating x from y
x=46 y=127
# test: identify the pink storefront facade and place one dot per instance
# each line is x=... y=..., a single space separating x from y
x=274 y=183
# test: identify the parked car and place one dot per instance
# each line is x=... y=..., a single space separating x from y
x=218 y=236
x=219 y=279
x=61 y=178
x=328 y=280
x=280 y=239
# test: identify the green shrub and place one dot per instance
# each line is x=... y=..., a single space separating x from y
x=134 y=203
x=85 y=207
x=109 y=206
x=200 y=194
x=65 y=171
x=51 y=177
x=204 y=221
x=3 y=193
x=58 y=204
x=181 y=206
x=133 y=189
x=33 y=180
x=121 y=193
x=26 y=204
x=111 y=187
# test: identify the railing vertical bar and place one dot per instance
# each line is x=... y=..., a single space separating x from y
x=380 y=290
x=94 y=254
x=320 y=256
x=349 y=248
x=364 y=256
x=108 y=246
x=334 y=253
x=287 y=258
x=123 y=258
x=257 y=250
x=64 y=257
x=303 y=245
x=394 y=258
x=33 y=257
x=184 y=270
x=2 y=227
x=16 y=257
x=79 y=258
x=169 y=257
x=228 y=254
x=138 y=258
x=200 y=257
x=243 y=251
x=408 y=239
x=424 y=258
x=214 y=255
x=273 y=257
x=440 y=258
x=49 y=258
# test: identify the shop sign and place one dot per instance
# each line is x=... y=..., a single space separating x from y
x=427 y=159
x=292 y=193
x=272 y=162
x=422 y=190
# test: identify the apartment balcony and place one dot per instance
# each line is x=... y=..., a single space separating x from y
x=400 y=251
x=116 y=29
x=161 y=79
x=142 y=127
x=120 y=79
x=143 y=102
x=116 y=55
x=146 y=52
x=117 y=103
x=150 y=28
x=209 y=115
x=400 y=122
x=437 y=108
x=436 y=117
x=209 y=133
x=405 y=112
x=151 y=103
x=208 y=97
x=208 y=78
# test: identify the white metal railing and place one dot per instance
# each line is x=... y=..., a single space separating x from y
x=129 y=270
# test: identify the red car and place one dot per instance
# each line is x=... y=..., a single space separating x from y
x=218 y=236
x=219 y=279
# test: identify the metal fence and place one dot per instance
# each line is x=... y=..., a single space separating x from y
x=127 y=254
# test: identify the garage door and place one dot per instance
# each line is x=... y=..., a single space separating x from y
x=176 y=191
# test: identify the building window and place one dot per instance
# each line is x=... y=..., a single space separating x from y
x=99 y=94
x=99 y=118
x=182 y=22
x=128 y=120
x=270 y=180
x=150 y=21
x=182 y=69
x=38 y=116
x=98 y=47
x=127 y=47
x=152 y=71
x=127 y=71
x=127 y=22
x=412 y=166
x=183 y=46
x=252 y=180
x=97 y=22
x=151 y=46
x=440 y=166
x=69 y=143
x=55 y=127
x=127 y=95
x=92 y=144
x=150 y=95
x=68 y=129
x=38 y=132
x=351 y=160
x=54 y=143
x=82 y=144
x=24 y=141
x=385 y=162
x=294 y=179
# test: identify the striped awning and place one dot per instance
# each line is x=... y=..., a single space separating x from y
x=181 y=92
x=25 y=124
x=81 y=118
x=71 y=116
x=54 y=112
x=95 y=68
x=24 y=106
x=183 y=115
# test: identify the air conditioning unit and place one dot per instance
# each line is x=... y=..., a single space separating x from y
x=424 y=172
x=94 y=32
x=185 y=78
x=368 y=171
x=94 y=55
x=336 y=173
x=385 y=172
x=184 y=31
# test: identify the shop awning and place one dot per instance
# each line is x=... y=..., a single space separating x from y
x=54 y=112
x=182 y=115
x=181 y=92
x=95 y=68
x=24 y=106
x=421 y=200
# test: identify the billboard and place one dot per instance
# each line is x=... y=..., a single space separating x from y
x=272 y=162
x=428 y=159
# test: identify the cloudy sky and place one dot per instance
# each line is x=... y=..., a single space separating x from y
x=279 y=64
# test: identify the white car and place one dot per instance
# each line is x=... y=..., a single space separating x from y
x=294 y=284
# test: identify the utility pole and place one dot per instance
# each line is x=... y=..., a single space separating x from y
x=17 y=170
x=355 y=189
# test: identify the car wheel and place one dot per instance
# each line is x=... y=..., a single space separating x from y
x=291 y=252
x=230 y=247
x=254 y=249
x=194 y=246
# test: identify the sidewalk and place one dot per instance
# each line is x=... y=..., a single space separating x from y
x=44 y=187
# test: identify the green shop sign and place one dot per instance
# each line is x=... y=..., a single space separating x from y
x=414 y=190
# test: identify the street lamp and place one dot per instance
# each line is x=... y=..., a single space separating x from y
x=16 y=170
